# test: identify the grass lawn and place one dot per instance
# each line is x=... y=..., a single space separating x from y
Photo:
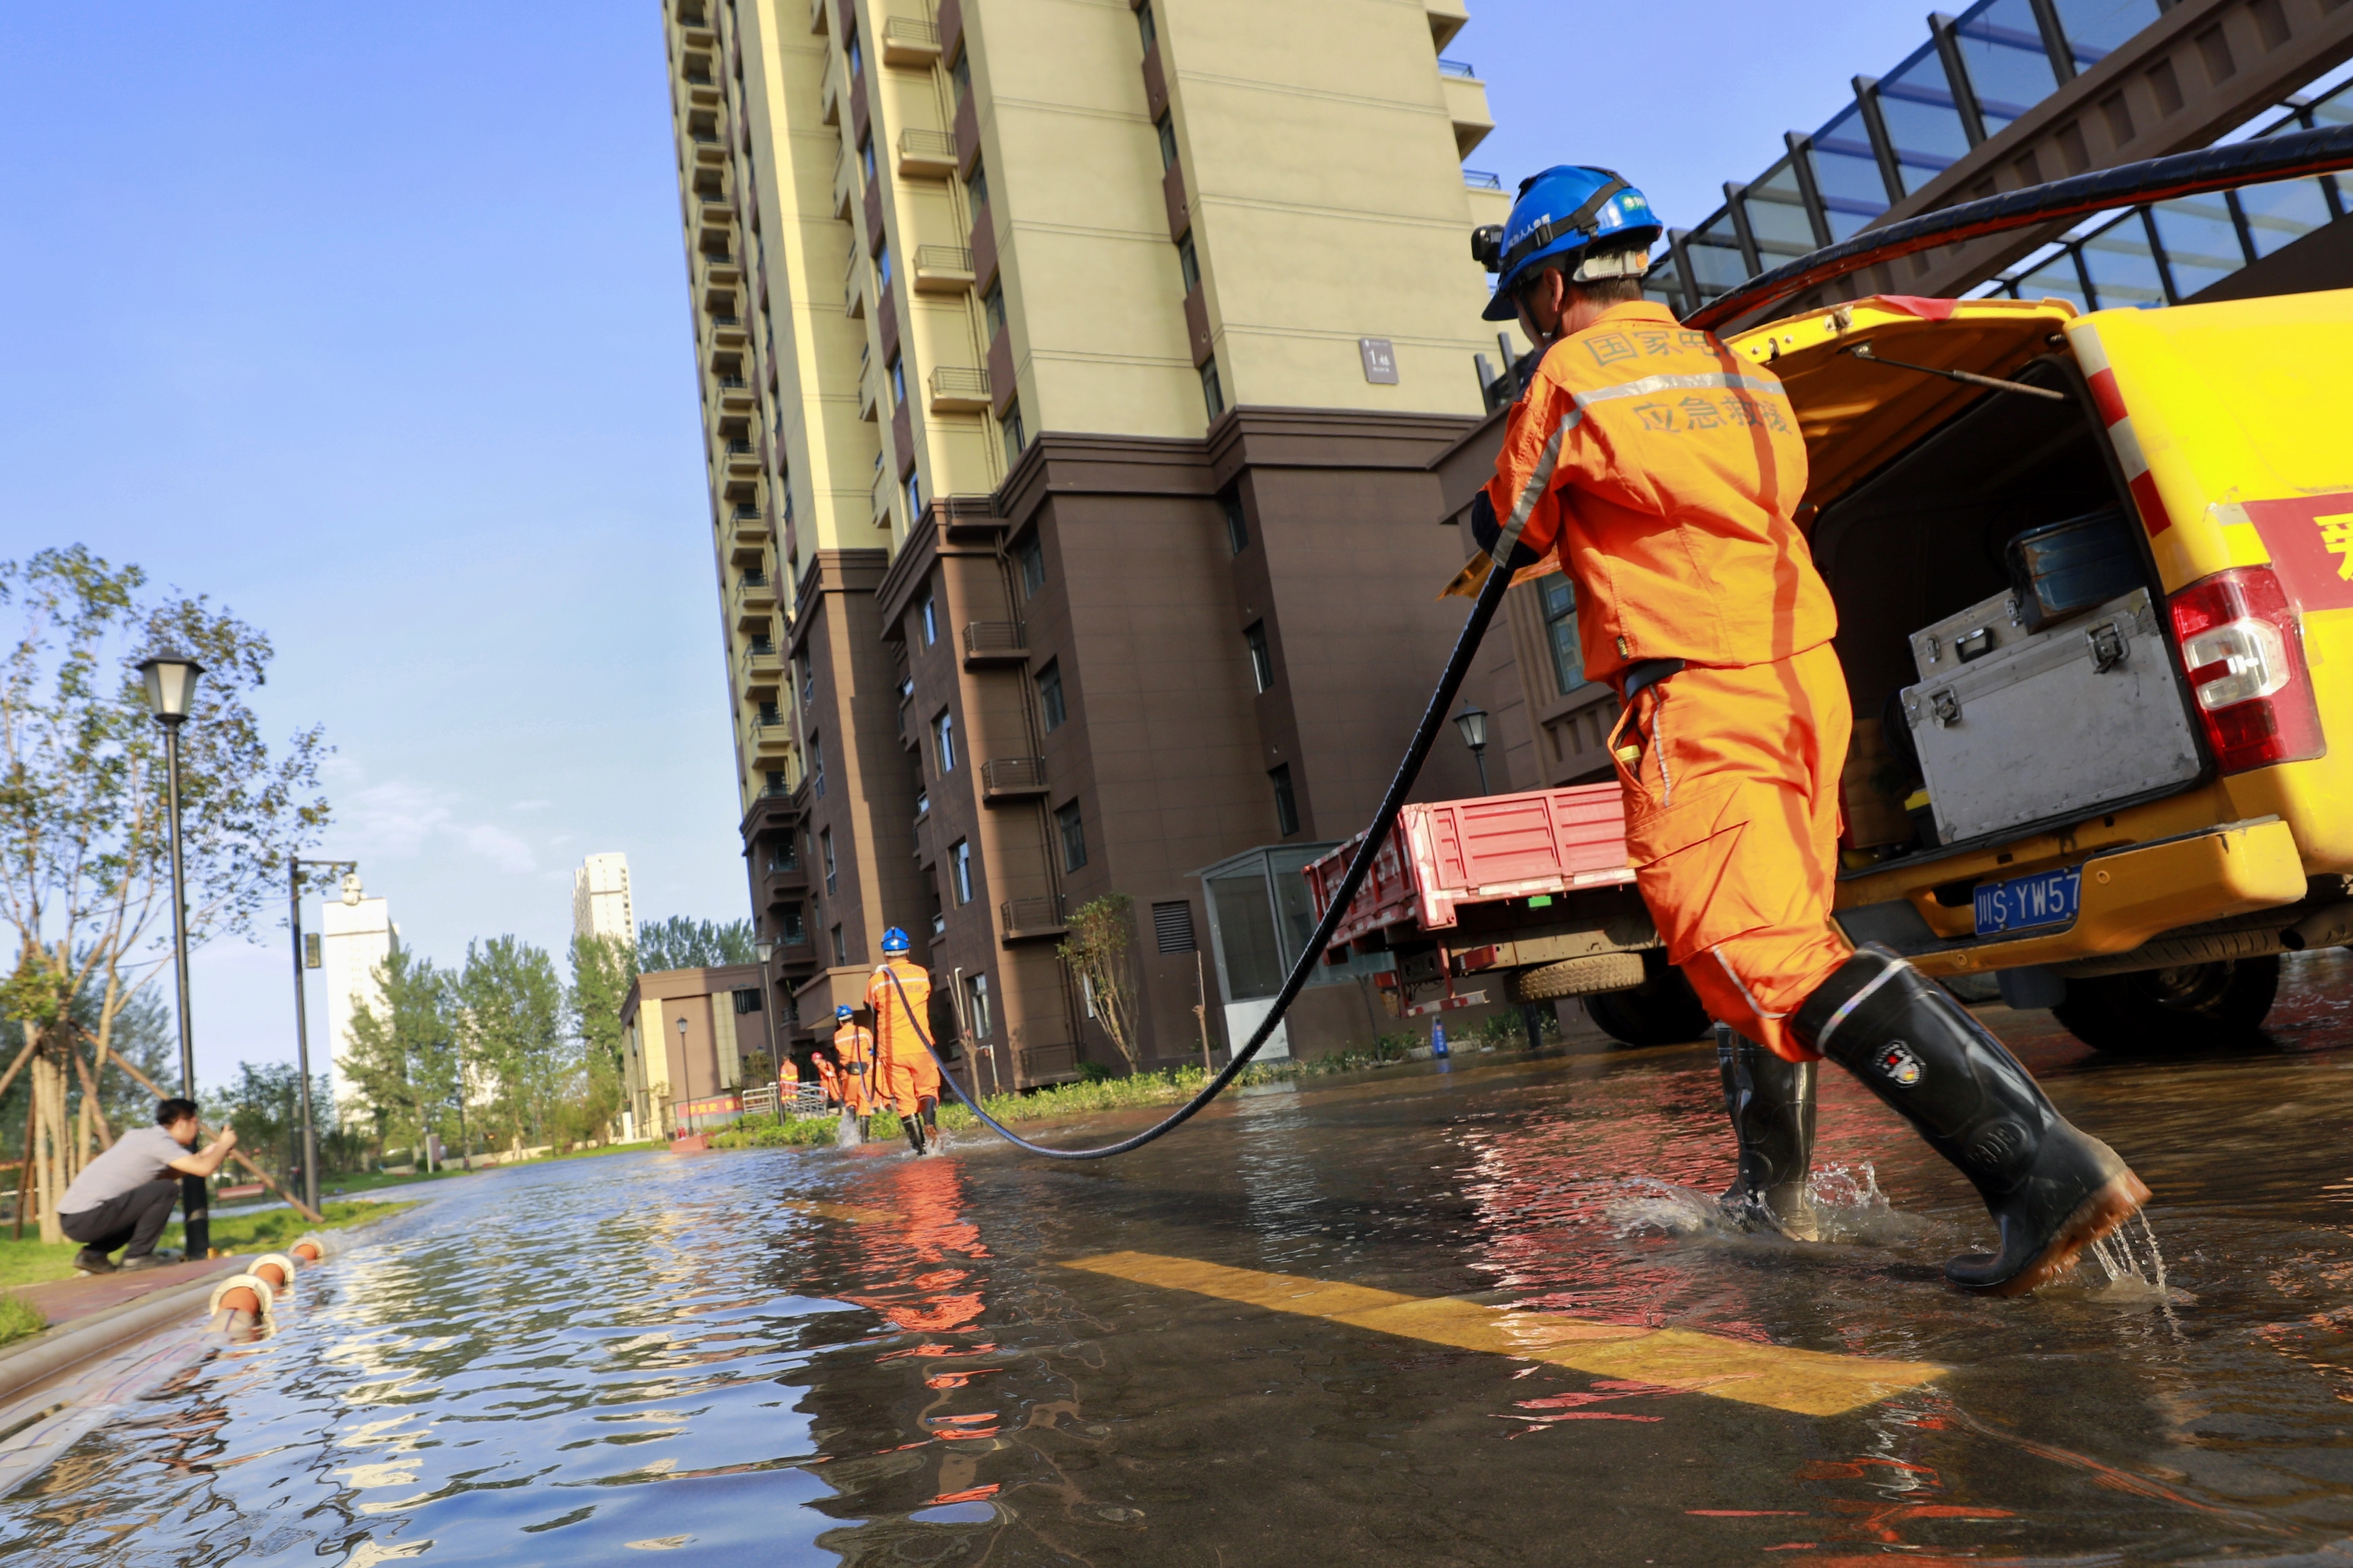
x=29 y=1262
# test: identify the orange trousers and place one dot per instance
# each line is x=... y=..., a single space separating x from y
x=904 y=1076
x=1732 y=824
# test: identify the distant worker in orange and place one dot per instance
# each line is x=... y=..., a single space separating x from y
x=1667 y=471
x=900 y=996
x=828 y=1082
x=854 y=1048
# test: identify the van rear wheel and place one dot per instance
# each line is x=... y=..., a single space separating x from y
x=2162 y=1012
x=1662 y=1011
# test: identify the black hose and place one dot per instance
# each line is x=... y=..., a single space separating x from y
x=1434 y=718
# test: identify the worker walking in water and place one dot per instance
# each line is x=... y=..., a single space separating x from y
x=854 y=1048
x=1667 y=471
x=900 y=995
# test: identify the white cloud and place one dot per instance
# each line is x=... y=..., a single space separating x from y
x=500 y=848
x=400 y=819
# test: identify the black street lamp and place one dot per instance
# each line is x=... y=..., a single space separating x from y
x=171 y=695
x=1473 y=722
x=686 y=1072
x=301 y=1019
x=767 y=949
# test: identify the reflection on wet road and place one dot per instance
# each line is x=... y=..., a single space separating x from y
x=1372 y=1322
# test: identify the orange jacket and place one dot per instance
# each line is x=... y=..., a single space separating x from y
x=1667 y=470
x=895 y=1036
x=853 y=1046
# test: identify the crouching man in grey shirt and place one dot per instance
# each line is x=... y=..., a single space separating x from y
x=125 y=1195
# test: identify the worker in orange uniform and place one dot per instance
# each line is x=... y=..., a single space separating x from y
x=1667 y=472
x=829 y=1082
x=854 y=1048
x=900 y=995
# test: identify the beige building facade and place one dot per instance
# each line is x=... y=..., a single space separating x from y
x=1072 y=376
x=689 y=1035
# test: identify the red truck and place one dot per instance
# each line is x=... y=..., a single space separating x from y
x=1514 y=898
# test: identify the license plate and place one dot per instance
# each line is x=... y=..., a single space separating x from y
x=2047 y=898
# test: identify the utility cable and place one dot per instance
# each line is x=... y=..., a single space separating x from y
x=1434 y=718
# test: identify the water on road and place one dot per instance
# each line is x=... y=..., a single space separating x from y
x=1455 y=1314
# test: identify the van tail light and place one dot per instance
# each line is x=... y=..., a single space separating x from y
x=2242 y=644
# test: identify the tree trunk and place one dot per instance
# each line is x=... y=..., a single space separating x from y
x=48 y=1120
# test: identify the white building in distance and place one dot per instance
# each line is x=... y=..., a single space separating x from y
x=355 y=936
x=600 y=898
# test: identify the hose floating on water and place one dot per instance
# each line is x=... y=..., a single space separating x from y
x=273 y=1268
x=1434 y=718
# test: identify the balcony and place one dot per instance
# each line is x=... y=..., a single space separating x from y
x=910 y=41
x=737 y=396
x=943 y=270
x=926 y=155
x=742 y=461
x=748 y=538
x=764 y=673
x=1031 y=919
x=989 y=643
x=716 y=214
x=756 y=601
x=1466 y=106
x=959 y=389
x=1012 y=778
x=854 y=286
x=772 y=741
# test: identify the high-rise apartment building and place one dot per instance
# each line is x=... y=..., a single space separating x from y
x=1072 y=376
x=600 y=898
x=355 y=936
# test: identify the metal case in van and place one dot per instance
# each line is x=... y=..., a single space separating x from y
x=2014 y=727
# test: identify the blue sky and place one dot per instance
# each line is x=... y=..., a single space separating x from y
x=370 y=321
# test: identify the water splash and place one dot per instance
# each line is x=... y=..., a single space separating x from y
x=2123 y=1267
x=1848 y=1207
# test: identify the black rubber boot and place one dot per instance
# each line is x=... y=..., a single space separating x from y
x=928 y=1109
x=2053 y=1189
x=914 y=1125
x=1771 y=1103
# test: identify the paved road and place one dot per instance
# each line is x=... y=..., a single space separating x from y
x=1466 y=1316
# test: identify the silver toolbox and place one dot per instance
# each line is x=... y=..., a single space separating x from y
x=2042 y=724
x=1968 y=636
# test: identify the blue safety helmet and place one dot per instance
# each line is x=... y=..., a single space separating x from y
x=842 y=1014
x=894 y=940
x=1560 y=214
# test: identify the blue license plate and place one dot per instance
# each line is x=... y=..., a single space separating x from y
x=2045 y=898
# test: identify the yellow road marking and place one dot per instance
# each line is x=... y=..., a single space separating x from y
x=1803 y=1382
x=850 y=1212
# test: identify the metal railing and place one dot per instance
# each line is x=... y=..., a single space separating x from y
x=929 y=145
x=996 y=639
x=960 y=383
x=1462 y=68
x=1481 y=180
x=911 y=32
x=1049 y=1061
x=1000 y=775
x=942 y=258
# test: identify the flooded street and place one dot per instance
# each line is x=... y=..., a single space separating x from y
x=1287 y=1345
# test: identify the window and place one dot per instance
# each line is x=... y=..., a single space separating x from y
x=1237 y=526
x=776 y=782
x=960 y=74
x=817 y=767
x=898 y=375
x=1050 y=696
x=992 y=308
x=882 y=265
x=929 y=622
x=1033 y=553
x=1143 y=26
x=976 y=1006
x=1172 y=927
x=975 y=187
x=748 y=999
x=849 y=48
x=866 y=156
x=1166 y=126
x=1262 y=661
x=960 y=871
x=1560 y=630
x=1286 y=804
x=768 y=714
x=840 y=949
x=794 y=931
x=1015 y=437
x=1212 y=392
x=943 y=742
x=1188 y=263
x=808 y=680
x=1075 y=836
x=825 y=856
x=915 y=497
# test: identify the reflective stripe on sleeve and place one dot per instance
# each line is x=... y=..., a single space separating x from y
x=1709 y=380
x=1539 y=482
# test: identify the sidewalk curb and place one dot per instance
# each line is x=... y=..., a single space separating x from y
x=69 y=1344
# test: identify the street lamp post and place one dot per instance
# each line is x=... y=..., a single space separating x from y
x=767 y=949
x=1473 y=722
x=171 y=680
x=686 y=1072
x=301 y=1018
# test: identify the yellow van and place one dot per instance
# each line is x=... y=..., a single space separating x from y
x=2095 y=578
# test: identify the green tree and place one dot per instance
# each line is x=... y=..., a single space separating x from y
x=1099 y=952
x=403 y=1064
x=603 y=970
x=678 y=942
x=511 y=1020
x=264 y=1103
x=84 y=873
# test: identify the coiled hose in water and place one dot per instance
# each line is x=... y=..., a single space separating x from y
x=1434 y=718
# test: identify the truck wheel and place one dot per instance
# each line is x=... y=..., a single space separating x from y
x=1662 y=1011
x=1578 y=977
x=2159 y=1011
